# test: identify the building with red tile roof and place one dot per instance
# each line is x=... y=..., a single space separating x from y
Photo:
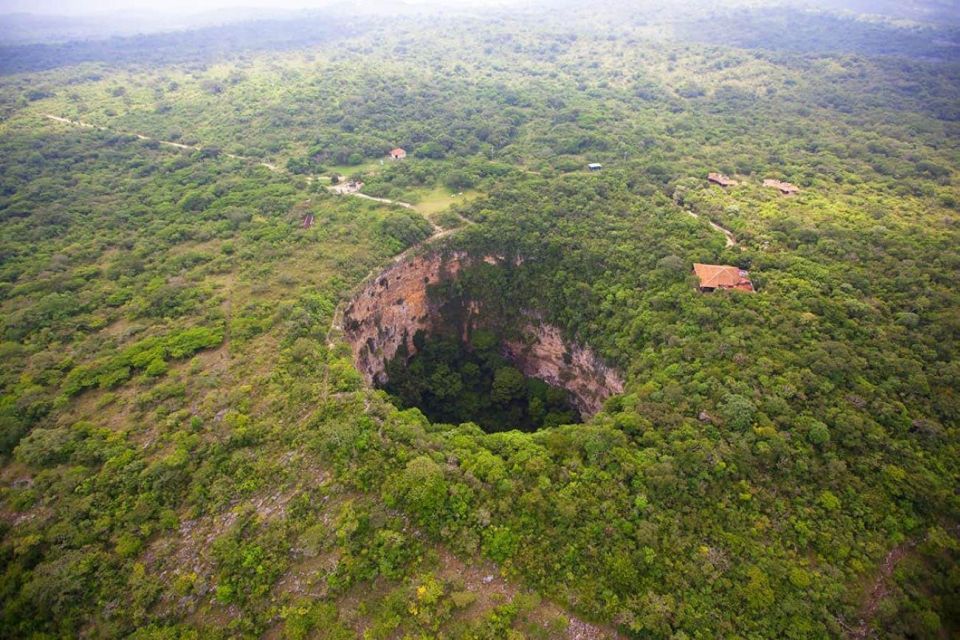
x=720 y=179
x=722 y=276
x=784 y=187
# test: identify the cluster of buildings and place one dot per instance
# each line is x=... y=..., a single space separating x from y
x=350 y=186
x=785 y=188
x=712 y=276
x=725 y=276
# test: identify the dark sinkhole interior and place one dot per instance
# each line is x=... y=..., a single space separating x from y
x=452 y=381
x=436 y=332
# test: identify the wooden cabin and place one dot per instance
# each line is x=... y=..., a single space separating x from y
x=785 y=188
x=720 y=179
x=722 y=276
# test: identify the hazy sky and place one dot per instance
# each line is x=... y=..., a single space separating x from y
x=74 y=7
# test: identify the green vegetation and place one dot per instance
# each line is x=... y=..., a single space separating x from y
x=187 y=448
x=453 y=383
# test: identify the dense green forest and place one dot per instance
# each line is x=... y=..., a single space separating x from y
x=450 y=381
x=187 y=447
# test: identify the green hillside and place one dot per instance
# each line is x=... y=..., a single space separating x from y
x=187 y=446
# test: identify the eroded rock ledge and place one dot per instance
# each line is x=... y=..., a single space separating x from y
x=392 y=307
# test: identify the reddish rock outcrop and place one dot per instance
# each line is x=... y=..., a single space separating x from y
x=392 y=307
x=542 y=353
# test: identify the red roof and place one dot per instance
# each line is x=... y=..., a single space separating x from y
x=720 y=179
x=722 y=276
x=784 y=187
x=397 y=151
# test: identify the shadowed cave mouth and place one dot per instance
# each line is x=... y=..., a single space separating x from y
x=454 y=381
x=429 y=331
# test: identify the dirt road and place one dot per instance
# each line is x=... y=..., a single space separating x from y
x=731 y=240
x=166 y=143
x=272 y=167
x=438 y=231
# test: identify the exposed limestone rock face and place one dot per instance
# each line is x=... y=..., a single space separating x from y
x=542 y=353
x=392 y=307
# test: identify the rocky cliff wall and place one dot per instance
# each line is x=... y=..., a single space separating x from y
x=542 y=353
x=392 y=307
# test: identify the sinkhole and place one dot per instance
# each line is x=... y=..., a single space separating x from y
x=454 y=381
x=428 y=330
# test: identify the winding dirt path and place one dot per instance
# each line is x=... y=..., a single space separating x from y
x=880 y=589
x=731 y=239
x=166 y=143
x=437 y=229
x=882 y=584
x=438 y=232
x=484 y=580
x=272 y=167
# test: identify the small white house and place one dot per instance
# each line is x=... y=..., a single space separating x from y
x=594 y=166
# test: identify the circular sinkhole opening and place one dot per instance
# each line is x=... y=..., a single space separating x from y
x=454 y=381
x=424 y=331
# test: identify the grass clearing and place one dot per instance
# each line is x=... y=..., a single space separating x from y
x=347 y=170
x=440 y=198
